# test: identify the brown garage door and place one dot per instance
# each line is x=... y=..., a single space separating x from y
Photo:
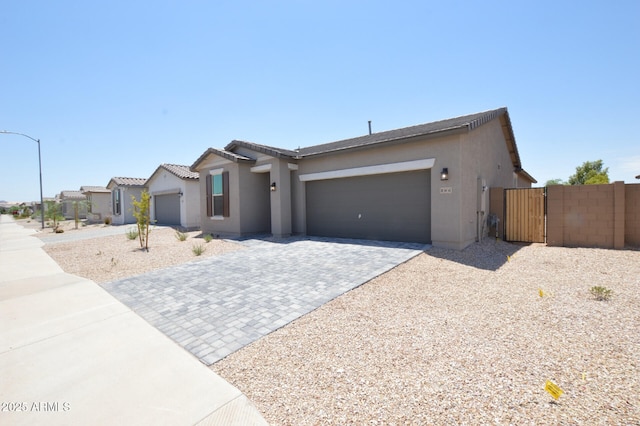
x=390 y=207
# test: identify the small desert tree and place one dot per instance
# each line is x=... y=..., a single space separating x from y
x=77 y=205
x=590 y=173
x=142 y=213
x=53 y=212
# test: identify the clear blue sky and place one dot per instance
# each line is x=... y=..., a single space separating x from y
x=115 y=88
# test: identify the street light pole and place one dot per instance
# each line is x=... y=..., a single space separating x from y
x=39 y=168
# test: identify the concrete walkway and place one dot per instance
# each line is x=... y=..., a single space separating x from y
x=72 y=354
x=217 y=305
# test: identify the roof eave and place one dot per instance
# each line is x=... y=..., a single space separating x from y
x=272 y=151
x=219 y=153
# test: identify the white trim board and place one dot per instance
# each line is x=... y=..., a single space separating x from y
x=404 y=166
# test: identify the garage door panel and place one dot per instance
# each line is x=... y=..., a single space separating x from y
x=394 y=207
x=167 y=209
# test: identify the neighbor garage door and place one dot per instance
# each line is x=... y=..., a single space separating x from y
x=167 y=209
x=391 y=207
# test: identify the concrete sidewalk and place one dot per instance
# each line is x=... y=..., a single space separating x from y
x=72 y=354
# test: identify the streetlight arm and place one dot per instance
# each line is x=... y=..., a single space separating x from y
x=21 y=134
x=39 y=168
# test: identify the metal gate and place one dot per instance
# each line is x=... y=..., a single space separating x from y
x=524 y=213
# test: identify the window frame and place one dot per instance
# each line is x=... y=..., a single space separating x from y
x=117 y=202
x=222 y=197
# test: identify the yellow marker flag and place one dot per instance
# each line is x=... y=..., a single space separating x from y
x=553 y=389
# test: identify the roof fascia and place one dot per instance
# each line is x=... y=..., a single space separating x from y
x=219 y=153
x=263 y=149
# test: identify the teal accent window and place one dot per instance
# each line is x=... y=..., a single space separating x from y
x=218 y=195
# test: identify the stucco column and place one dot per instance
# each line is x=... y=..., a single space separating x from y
x=281 y=200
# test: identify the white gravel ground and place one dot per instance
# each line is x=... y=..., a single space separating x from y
x=116 y=257
x=450 y=337
x=460 y=337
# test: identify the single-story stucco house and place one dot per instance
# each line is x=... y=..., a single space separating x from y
x=122 y=189
x=98 y=202
x=426 y=183
x=175 y=196
x=70 y=201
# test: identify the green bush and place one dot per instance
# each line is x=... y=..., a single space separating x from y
x=181 y=236
x=601 y=293
x=198 y=249
x=132 y=233
x=208 y=238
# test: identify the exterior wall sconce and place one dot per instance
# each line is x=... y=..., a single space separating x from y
x=273 y=187
x=444 y=174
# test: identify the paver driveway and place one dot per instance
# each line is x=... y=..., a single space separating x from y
x=215 y=306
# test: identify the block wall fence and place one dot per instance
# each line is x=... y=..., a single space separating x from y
x=605 y=216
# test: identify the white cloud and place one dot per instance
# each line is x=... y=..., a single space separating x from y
x=630 y=164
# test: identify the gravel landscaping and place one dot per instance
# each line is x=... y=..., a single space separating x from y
x=460 y=337
x=116 y=257
x=449 y=337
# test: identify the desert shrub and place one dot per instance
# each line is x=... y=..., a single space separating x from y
x=198 y=249
x=142 y=213
x=181 y=236
x=601 y=293
x=207 y=238
x=132 y=233
x=107 y=220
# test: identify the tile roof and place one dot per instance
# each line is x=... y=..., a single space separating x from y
x=72 y=195
x=236 y=158
x=183 y=172
x=466 y=122
x=265 y=149
x=85 y=189
x=463 y=123
x=127 y=181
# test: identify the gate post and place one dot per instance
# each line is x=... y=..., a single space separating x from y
x=496 y=207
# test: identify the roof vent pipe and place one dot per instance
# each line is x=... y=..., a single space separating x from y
x=369 y=126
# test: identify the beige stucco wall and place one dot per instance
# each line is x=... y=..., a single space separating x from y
x=249 y=198
x=484 y=156
x=477 y=160
x=100 y=205
x=164 y=182
x=472 y=158
x=126 y=215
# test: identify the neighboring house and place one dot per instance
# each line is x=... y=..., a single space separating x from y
x=427 y=183
x=98 y=202
x=70 y=200
x=122 y=189
x=175 y=196
x=36 y=205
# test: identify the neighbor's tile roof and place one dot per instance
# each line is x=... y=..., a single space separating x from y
x=127 y=181
x=183 y=172
x=85 y=189
x=72 y=195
